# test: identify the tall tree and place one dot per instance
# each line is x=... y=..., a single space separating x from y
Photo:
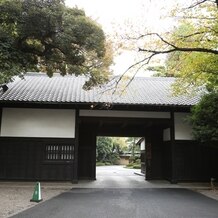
x=47 y=36
x=104 y=148
x=132 y=145
x=191 y=47
x=119 y=145
x=108 y=149
x=191 y=68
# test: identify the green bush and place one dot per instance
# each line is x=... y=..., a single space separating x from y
x=138 y=161
x=135 y=159
x=136 y=166
x=133 y=166
x=131 y=159
x=129 y=165
x=204 y=118
x=100 y=164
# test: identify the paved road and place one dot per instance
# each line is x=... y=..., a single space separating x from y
x=120 y=177
x=117 y=170
x=125 y=203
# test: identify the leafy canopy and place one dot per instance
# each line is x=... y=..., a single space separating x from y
x=199 y=28
x=198 y=33
x=47 y=36
x=190 y=47
x=193 y=69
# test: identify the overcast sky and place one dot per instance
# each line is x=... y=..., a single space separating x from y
x=114 y=14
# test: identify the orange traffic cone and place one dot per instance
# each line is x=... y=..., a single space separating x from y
x=37 y=193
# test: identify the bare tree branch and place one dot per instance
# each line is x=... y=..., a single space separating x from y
x=153 y=34
x=193 y=34
x=167 y=47
x=212 y=29
x=175 y=48
x=201 y=2
x=203 y=50
x=197 y=18
x=196 y=4
x=145 y=61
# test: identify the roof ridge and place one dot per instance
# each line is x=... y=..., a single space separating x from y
x=54 y=74
x=38 y=87
x=39 y=74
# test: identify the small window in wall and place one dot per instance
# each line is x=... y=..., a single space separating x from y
x=59 y=152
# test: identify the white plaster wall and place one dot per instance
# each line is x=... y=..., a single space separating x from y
x=183 y=130
x=25 y=122
x=166 y=134
x=142 y=146
x=129 y=114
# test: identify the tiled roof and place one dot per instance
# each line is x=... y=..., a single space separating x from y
x=68 y=89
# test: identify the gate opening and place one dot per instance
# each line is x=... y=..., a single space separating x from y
x=153 y=147
x=120 y=156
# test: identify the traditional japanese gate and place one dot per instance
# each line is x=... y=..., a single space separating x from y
x=150 y=128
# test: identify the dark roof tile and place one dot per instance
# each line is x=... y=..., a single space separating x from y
x=68 y=89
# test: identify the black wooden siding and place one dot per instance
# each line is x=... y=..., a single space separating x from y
x=157 y=150
x=24 y=159
x=87 y=153
x=167 y=160
x=142 y=157
x=195 y=161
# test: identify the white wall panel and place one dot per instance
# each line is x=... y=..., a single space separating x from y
x=128 y=114
x=25 y=122
x=183 y=130
x=142 y=146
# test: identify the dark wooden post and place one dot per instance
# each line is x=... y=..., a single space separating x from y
x=94 y=143
x=173 y=149
x=0 y=120
x=76 y=145
x=148 y=155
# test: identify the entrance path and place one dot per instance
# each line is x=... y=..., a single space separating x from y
x=120 y=177
x=125 y=203
x=122 y=193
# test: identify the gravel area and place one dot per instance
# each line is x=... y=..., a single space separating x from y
x=15 y=197
x=210 y=193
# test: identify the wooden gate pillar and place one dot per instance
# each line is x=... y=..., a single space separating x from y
x=173 y=150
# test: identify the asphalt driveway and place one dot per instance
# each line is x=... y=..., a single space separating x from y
x=125 y=203
x=120 y=177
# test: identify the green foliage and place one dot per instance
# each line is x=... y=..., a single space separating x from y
x=159 y=71
x=104 y=149
x=197 y=29
x=137 y=161
x=190 y=48
x=130 y=165
x=98 y=164
x=204 y=119
x=136 y=166
x=49 y=37
x=133 y=148
x=119 y=145
x=133 y=166
x=108 y=149
x=192 y=69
